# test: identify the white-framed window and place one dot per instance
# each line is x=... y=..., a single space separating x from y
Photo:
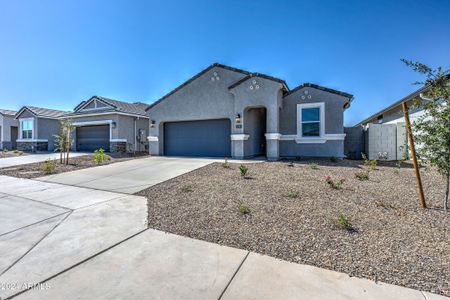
x=26 y=128
x=311 y=120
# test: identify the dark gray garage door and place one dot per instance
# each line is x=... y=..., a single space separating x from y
x=198 y=138
x=90 y=138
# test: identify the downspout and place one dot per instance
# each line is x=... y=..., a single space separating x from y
x=135 y=136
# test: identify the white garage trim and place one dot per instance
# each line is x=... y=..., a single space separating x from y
x=239 y=137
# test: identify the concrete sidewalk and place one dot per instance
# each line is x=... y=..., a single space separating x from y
x=158 y=265
x=31 y=158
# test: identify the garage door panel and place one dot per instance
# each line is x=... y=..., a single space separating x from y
x=198 y=138
x=90 y=138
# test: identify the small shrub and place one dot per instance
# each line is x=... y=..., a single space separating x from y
x=99 y=156
x=313 y=166
x=187 y=189
x=20 y=153
x=244 y=170
x=385 y=205
x=364 y=175
x=333 y=159
x=16 y=151
x=48 y=166
x=225 y=164
x=290 y=164
x=369 y=163
x=335 y=184
x=343 y=221
x=244 y=209
x=292 y=194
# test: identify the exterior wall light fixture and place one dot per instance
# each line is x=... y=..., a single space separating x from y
x=238 y=118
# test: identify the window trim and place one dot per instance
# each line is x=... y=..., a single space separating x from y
x=321 y=106
x=21 y=128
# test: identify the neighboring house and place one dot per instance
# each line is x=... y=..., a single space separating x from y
x=385 y=133
x=393 y=114
x=113 y=125
x=228 y=112
x=8 y=129
x=37 y=127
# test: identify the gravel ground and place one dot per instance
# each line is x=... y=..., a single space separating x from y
x=294 y=217
x=77 y=163
x=11 y=153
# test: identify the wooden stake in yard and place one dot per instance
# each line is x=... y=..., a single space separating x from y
x=413 y=154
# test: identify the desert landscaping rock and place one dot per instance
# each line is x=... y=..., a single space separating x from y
x=393 y=241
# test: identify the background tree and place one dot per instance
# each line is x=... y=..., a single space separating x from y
x=432 y=129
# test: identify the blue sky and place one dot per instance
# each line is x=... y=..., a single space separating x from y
x=57 y=53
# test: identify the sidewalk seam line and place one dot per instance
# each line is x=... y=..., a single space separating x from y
x=234 y=275
x=77 y=264
x=424 y=296
x=37 y=243
x=35 y=223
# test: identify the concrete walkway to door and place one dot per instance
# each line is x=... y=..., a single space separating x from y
x=130 y=176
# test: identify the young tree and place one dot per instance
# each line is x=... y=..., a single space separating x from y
x=64 y=140
x=432 y=129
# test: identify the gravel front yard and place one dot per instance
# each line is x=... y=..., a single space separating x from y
x=76 y=163
x=294 y=214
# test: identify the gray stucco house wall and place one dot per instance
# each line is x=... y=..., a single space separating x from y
x=8 y=129
x=263 y=113
x=45 y=124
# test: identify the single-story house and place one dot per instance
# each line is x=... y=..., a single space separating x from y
x=384 y=132
x=113 y=125
x=37 y=127
x=393 y=114
x=8 y=129
x=228 y=112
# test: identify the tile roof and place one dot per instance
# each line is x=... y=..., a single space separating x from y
x=7 y=112
x=136 y=108
x=43 y=112
x=250 y=75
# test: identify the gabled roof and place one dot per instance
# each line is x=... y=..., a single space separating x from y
x=325 y=89
x=42 y=112
x=7 y=112
x=195 y=77
x=239 y=82
x=250 y=75
x=318 y=87
x=137 y=108
x=394 y=105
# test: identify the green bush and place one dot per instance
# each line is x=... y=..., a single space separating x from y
x=363 y=175
x=313 y=166
x=343 y=221
x=244 y=209
x=48 y=166
x=244 y=170
x=333 y=159
x=369 y=163
x=336 y=184
x=99 y=156
x=225 y=164
x=292 y=194
x=187 y=189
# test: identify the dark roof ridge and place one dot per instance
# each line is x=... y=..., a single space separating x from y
x=195 y=77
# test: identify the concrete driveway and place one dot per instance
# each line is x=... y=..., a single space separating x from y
x=129 y=176
x=66 y=242
x=31 y=158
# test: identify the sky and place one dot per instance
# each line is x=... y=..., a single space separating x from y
x=56 y=54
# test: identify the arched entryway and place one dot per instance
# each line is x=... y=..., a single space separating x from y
x=255 y=119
